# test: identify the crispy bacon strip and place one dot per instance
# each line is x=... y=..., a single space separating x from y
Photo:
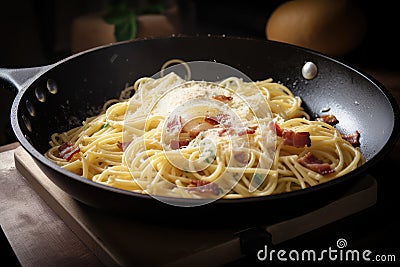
x=199 y=186
x=223 y=131
x=291 y=138
x=177 y=144
x=222 y=98
x=353 y=139
x=123 y=145
x=329 y=119
x=175 y=124
x=275 y=127
x=211 y=120
x=230 y=131
x=247 y=131
x=241 y=157
x=296 y=139
x=219 y=119
x=315 y=164
x=196 y=126
x=223 y=119
x=67 y=151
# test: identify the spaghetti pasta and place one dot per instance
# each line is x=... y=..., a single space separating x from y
x=188 y=139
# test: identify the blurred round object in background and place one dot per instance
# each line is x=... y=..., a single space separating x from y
x=90 y=30
x=332 y=27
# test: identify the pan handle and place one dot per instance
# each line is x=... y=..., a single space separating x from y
x=17 y=79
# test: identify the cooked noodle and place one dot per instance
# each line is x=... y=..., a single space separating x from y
x=126 y=146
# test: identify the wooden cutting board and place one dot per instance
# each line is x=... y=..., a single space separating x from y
x=120 y=241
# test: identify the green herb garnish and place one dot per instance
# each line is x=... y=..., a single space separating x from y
x=257 y=179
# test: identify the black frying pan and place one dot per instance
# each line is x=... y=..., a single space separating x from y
x=86 y=80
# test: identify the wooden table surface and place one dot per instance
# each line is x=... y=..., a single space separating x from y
x=53 y=243
x=38 y=237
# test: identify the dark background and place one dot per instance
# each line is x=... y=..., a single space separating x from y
x=36 y=33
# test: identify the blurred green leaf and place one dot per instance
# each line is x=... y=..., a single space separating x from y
x=124 y=19
x=126 y=30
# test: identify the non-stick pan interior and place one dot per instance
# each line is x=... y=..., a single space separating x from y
x=78 y=87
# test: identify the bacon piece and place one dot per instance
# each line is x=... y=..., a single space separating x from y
x=199 y=186
x=275 y=127
x=175 y=124
x=194 y=134
x=67 y=151
x=222 y=98
x=211 y=120
x=231 y=131
x=221 y=133
x=329 y=119
x=241 y=157
x=195 y=126
x=64 y=146
x=123 y=146
x=353 y=139
x=315 y=164
x=196 y=183
x=247 y=131
x=228 y=131
x=223 y=119
x=119 y=145
x=291 y=138
x=177 y=144
x=296 y=139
